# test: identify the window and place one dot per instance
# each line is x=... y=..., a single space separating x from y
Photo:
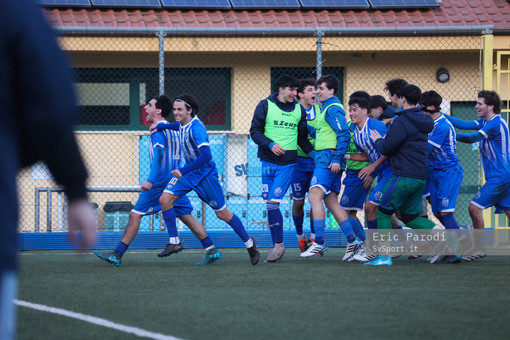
x=113 y=99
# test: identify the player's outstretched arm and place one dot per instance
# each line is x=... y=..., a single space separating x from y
x=463 y=124
x=470 y=138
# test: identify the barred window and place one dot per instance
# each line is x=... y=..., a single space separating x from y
x=114 y=98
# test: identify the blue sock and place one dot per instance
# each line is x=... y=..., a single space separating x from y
x=312 y=229
x=372 y=224
x=238 y=227
x=206 y=242
x=171 y=225
x=298 y=223
x=347 y=230
x=121 y=248
x=275 y=220
x=319 y=226
x=449 y=221
x=358 y=228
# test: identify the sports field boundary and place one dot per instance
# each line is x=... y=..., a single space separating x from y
x=159 y=239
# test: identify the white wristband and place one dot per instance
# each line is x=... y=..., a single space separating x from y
x=347 y=156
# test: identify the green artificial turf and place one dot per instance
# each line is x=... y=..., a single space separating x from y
x=317 y=298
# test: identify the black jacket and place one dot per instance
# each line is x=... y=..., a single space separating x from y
x=37 y=113
x=257 y=132
x=406 y=143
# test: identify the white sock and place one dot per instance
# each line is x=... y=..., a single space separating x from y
x=249 y=243
x=175 y=240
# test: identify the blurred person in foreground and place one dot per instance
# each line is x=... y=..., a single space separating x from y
x=36 y=124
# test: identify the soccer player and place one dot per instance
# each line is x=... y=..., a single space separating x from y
x=165 y=155
x=406 y=145
x=392 y=87
x=332 y=139
x=278 y=127
x=379 y=109
x=304 y=168
x=445 y=172
x=380 y=166
x=355 y=189
x=494 y=146
x=37 y=115
x=198 y=174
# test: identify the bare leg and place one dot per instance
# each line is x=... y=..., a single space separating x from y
x=194 y=225
x=132 y=228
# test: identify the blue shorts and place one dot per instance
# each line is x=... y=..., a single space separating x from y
x=354 y=196
x=327 y=181
x=276 y=180
x=444 y=186
x=148 y=203
x=208 y=189
x=376 y=194
x=302 y=178
x=495 y=192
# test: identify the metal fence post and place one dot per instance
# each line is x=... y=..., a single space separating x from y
x=161 y=35
x=319 y=35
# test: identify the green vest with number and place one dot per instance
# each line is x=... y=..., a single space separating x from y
x=282 y=126
x=311 y=122
x=325 y=136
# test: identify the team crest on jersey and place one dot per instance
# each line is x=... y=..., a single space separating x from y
x=378 y=195
x=213 y=204
x=478 y=194
x=314 y=180
x=345 y=200
x=445 y=201
x=278 y=191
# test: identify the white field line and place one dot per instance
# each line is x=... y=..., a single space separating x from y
x=59 y=253
x=97 y=321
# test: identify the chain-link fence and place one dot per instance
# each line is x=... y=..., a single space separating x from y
x=117 y=72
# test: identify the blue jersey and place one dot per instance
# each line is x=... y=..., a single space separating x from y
x=365 y=144
x=442 y=144
x=495 y=148
x=310 y=113
x=193 y=136
x=165 y=144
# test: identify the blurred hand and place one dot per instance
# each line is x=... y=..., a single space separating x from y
x=82 y=218
x=335 y=168
x=177 y=173
x=367 y=182
x=278 y=150
x=146 y=186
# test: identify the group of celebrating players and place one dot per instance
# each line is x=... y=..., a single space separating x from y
x=304 y=142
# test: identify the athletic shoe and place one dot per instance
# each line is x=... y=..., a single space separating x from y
x=210 y=257
x=323 y=250
x=352 y=248
x=303 y=244
x=171 y=249
x=434 y=258
x=362 y=256
x=276 y=254
x=110 y=256
x=447 y=259
x=254 y=253
x=314 y=249
x=413 y=257
x=380 y=261
x=470 y=258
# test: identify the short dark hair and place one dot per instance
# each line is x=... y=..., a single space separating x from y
x=362 y=102
x=304 y=83
x=190 y=102
x=431 y=98
x=393 y=85
x=411 y=93
x=491 y=98
x=286 y=81
x=330 y=80
x=361 y=94
x=378 y=101
x=164 y=104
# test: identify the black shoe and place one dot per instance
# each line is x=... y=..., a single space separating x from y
x=447 y=259
x=254 y=253
x=171 y=249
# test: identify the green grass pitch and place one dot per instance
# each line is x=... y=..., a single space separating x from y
x=316 y=298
